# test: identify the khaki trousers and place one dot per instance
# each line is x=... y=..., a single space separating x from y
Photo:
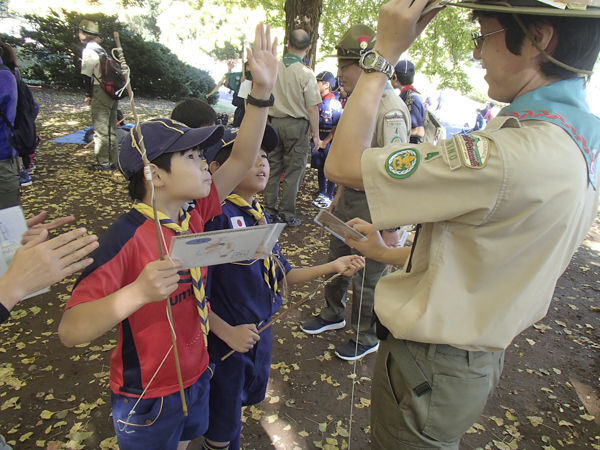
x=461 y=386
x=10 y=185
x=104 y=120
x=290 y=157
x=353 y=204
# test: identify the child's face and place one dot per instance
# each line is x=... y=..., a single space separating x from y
x=257 y=177
x=189 y=178
x=323 y=87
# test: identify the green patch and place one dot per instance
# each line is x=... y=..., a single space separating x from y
x=403 y=163
x=431 y=155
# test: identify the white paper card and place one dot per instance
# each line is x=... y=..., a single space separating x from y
x=224 y=246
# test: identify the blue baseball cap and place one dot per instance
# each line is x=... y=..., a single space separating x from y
x=269 y=142
x=405 y=66
x=327 y=77
x=163 y=136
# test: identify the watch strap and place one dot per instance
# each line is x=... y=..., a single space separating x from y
x=260 y=103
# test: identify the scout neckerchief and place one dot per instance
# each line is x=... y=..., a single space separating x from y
x=328 y=96
x=195 y=272
x=269 y=268
x=290 y=58
x=564 y=104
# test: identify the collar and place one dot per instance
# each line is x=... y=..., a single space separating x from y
x=564 y=104
x=410 y=87
x=290 y=58
x=328 y=96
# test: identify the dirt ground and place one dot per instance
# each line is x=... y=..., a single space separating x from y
x=548 y=397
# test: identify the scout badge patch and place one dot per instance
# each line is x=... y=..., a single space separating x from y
x=474 y=150
x=402 y=163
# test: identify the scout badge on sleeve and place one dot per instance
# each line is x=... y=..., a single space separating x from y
x=403 y=163
x=473 y=150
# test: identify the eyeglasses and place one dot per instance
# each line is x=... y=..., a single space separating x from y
x=342 y=68
x=478 y=38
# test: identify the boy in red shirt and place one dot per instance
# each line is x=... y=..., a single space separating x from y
x=127 y=283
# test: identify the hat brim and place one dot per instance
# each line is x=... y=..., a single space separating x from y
x=204 y=138
x=85 y=30
x=356 y=58
x=269 y=143
x=590 y=12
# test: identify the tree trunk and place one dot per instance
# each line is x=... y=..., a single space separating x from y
x=304 y=14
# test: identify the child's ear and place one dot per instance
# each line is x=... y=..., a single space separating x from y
x=156 y=176
x=214 y=166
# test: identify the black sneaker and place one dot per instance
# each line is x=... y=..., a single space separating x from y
x=99 y=167
x=350 y=352
x=114 y=166
x=276 y=218
x=318 y=325
x=293 y=222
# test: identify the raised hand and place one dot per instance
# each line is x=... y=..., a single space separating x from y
x=399 y=24
x=263 y=59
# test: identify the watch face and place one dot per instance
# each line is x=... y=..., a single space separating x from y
x=369 y=59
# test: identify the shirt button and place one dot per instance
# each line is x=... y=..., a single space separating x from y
x=126 y=400
x=148 y=421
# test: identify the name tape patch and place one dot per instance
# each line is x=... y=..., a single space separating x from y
x=452 y=155
x=402 y=163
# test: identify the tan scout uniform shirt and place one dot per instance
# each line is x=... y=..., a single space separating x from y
x=393 y=120
x=495 y=239
x=295 y=89
x=90 y=62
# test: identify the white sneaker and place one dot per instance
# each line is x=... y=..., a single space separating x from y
x=319 y=201
x=325 y=202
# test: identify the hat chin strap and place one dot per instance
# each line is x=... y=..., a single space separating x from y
x=580 y=73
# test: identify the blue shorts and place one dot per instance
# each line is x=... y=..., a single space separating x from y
x=159 y=423
x=240 y=380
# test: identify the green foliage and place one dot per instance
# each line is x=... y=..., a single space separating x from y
x=228 y=51
x=53 y=45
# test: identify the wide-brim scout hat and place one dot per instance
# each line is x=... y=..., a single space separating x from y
x=566 y=8
x=89 y=27
x=357 y=40
x=328 y=78
x=163 y=136
x=269 y=142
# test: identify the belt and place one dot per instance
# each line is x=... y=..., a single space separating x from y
x=443 y=349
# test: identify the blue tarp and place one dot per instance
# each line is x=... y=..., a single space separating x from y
x=77 y=137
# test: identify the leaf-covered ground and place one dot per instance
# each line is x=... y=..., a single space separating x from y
x=548 y=397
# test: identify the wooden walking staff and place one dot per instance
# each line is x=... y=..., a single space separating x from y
x=148 y=176
x=303 y=300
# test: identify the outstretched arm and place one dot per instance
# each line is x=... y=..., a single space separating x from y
x=398 y=26
x=263 y=66
x=351 y=264
x=374 y=247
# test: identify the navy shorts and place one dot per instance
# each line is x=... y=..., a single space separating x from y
x=159 y=423
x=317 y=159
x=240 y=380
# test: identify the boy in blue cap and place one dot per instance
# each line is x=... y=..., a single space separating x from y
x=248 y=302
x=330 y=111
x=127 y=283
x=404 y=77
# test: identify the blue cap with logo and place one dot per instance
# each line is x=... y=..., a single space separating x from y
x=163 y=136
x=405 y=66
x=328 y=78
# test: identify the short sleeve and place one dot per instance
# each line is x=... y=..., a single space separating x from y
x=312 y=96
x=336 y=111
x=210 y=206
x=407 y=184
x=89 y=61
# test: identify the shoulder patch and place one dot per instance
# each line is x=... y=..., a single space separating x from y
x=237 y=222
x=402 y=163
x=393 y=116
x=452 y=154
x=473 y=150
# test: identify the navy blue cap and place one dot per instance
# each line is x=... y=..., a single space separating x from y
x=269 y=142
x=163 y=136
x=327 y=77
x=405 y=66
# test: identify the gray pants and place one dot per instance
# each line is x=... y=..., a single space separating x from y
x=10 y=184
x=353 y=204
x=104 y=120
x=290 y=157
x=461 y=386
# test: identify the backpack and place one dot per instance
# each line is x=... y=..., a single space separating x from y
x=24 y=137
x=434 y=130
x=112 y=81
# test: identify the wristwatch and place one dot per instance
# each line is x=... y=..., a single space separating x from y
x=372 y=61
x=260 y=103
